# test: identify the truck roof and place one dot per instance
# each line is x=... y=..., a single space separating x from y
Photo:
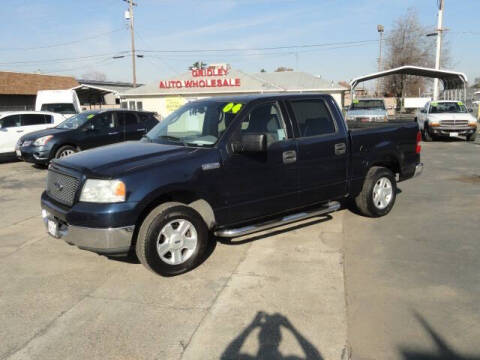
x=252 y=97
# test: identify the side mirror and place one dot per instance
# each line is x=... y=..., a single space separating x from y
x=251 y=143
x=470 y=110
x=423 y=111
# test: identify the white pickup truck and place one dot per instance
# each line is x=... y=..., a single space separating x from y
x=446 y=118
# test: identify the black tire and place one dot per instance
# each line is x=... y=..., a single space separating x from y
x=427 y=137
x=63 y=150
x=472 y=137
x=365 y=200
x=149 y=236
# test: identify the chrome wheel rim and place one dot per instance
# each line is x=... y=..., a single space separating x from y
x=177 y=241
x=65 y=153
x=382 y=193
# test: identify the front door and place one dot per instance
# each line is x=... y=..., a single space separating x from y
x=261 y=184
x=105 y=131
x=322 y=151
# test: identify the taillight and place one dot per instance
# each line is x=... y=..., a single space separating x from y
x=419 y=138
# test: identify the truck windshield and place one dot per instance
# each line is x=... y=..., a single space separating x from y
x=367 y=104
x=447 y=107
x=76 y=121
x=196 y=124
x=59 y=108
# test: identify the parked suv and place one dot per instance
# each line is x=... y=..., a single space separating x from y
x=14 y=124
x=83 y=131
x=446 y=118
x=228 y=166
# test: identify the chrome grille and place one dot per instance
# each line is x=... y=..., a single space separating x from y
x=62 y=187
x=453 y=122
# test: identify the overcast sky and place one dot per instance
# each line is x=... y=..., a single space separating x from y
x=76 y=37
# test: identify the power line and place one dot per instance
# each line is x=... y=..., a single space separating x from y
x=78 y=58
x=262 y=48
x=62 y=44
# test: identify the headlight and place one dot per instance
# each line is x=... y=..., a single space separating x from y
x=103 y=191
x=43 y=140
x=433 y=122
x=350 y=118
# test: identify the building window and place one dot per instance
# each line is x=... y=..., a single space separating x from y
x=139 y=105
x=124 y=105
x=131 y=105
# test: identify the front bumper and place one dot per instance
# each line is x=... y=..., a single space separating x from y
x=99 y=240
x=34 y=154
x=446 y=131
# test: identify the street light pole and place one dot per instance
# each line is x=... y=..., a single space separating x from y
x=439 y=46
x=132 y=34
x=380 y=30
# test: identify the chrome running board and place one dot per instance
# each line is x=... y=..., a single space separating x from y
x=230 y=233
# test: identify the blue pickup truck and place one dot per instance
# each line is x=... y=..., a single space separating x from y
x=227 y=167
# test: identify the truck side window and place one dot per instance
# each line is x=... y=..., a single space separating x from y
x=10 y=121
x=313 y=117
x=265 y=119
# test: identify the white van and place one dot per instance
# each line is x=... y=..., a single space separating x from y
x=59 y=101
x=15 y=124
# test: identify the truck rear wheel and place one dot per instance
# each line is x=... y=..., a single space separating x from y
x=172 y=239
x=378 y=192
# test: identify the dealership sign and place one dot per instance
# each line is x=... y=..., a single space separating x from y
x=203 y=78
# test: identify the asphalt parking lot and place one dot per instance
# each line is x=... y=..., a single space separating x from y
x=400 y=287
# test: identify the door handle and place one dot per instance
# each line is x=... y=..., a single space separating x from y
x=340 y=148
x=113 y=133
x=20 y=131
x=140 y=130
x=289 y=156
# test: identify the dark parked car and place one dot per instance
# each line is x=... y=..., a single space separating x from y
x=84 y=131
x=229 y=166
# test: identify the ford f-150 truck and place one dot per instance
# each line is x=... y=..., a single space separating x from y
x=226 y=166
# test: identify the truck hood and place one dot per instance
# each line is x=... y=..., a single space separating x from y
x=115 y=160
x=38 y=134
x=366 y=112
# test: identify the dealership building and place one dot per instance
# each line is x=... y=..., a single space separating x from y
x=167 y=95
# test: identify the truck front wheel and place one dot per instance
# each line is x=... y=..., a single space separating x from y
x=426 y=133
x=472 y=137
x=378 y=192
x=172 y=239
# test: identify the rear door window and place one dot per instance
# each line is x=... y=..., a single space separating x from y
x=35 y=119
x=313 y=117
x=10 y=121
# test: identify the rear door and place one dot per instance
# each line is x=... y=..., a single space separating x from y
x=34 y=122
x=133 y=126
x=10 y=132
x=322 y=158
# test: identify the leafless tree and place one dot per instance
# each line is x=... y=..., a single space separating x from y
x=94 y=75
x=283 y=68
x=407 y=44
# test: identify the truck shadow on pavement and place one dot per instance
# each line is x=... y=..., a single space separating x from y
x=269 y=340
x=444 y=351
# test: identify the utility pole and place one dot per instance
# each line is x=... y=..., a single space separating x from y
x=441 y=4
x=380 y=30
x=131 y=4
